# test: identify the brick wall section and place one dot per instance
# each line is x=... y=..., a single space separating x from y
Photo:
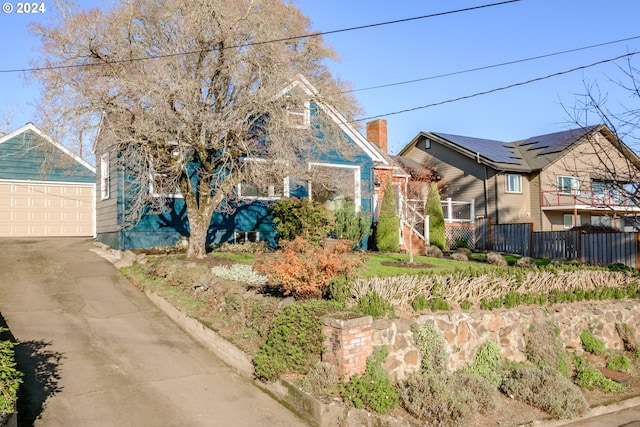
x=348 y=344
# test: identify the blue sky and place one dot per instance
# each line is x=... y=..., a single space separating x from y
x=430 y=47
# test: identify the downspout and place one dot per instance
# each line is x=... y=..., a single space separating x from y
x=484 y=186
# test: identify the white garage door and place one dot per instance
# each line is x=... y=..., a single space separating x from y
x=46 y=209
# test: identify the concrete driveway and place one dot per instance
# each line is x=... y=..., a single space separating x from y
x=96 y=353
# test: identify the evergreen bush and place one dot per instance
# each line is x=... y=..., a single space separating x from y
x=351 y=225
x=372 y=390
x=433 y=208
x=302 y=218
x=294 y=342
x=388 y=229
x=10 y=377
x=432 y=348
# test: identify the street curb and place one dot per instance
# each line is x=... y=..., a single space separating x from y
x=593 y=412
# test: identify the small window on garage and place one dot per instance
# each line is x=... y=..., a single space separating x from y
x=104 y=176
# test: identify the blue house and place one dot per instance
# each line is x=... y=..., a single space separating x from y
x=45 y=189
x=249 y=219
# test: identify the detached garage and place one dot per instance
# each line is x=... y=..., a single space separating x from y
x=45 y=190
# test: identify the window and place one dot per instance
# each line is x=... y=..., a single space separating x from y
x=571 y=220
x=334 y=184
x=264 y=190
x=104 y=176
x=246 y=236
x=607 y=221
x=568 y=185
x=513 y=183
x=263 y=183
x=163 y=185
x=300 y=115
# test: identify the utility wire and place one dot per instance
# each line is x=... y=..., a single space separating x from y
x=517 y=61
x=486 y=92
x=286 y=39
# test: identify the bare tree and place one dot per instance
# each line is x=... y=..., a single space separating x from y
x=188 y=93
x=608 y=154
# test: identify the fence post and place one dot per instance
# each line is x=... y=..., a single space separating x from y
x=638 y=250
x=449 y=209
x=472 y=210
x=490 y=236
x=531 y=240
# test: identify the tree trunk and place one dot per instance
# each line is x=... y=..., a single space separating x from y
x=198 y=228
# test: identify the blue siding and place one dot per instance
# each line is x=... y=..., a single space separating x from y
x=28 y=157
x=156 y=230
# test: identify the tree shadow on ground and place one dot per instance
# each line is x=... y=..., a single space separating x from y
x=41 y=376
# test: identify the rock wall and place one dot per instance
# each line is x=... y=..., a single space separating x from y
x=465 y=331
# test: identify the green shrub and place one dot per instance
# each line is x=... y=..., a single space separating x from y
x=419 y=303
x=466 y=305
x=441 y=399
x=544 y=388
x=10 y=377
x=374 y=305
x=618 y=362
x=387 y=231
x=432 y=348
x=372 y=390
x=487 y=363
x=339 y=290
x=350 y=225
x=301 y=218
x=543 y=347
x=438 y=304
x=591 y=343
x=433 y=208
x=321 y=380
x=294 y=342
x=589 y=377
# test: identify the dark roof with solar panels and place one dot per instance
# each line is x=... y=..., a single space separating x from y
x=524 y=155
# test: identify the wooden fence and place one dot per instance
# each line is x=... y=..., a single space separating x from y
x=571 y=245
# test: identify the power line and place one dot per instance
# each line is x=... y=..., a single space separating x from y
x=517 y=61
x=286 y=39
x=486 y=92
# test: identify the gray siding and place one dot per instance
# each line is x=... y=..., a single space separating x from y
x=106 y=209
x=463 y=178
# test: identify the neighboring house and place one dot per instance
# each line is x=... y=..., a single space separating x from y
x=553 y=181
x=45 y=190
x=249 y=219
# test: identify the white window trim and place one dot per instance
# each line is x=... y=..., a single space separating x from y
x=573 y=190
x=356 y=180
x=285 y=185
x=506 y=183
x=104 y=177
x=303 y=116
x=152 y=175
x=573 y=218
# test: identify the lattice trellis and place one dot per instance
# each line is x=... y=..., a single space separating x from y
x=467 y=233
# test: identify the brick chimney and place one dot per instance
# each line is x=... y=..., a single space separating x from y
x=377 y=133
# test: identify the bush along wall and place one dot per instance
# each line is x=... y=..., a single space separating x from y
x=10 y=379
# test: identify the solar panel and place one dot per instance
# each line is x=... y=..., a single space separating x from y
x=555 y=142
x=493 y=150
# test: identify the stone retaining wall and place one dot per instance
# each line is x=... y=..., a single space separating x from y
x=464 y=332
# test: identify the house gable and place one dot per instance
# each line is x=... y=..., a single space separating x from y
x=28 y=154
x=248 y=216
